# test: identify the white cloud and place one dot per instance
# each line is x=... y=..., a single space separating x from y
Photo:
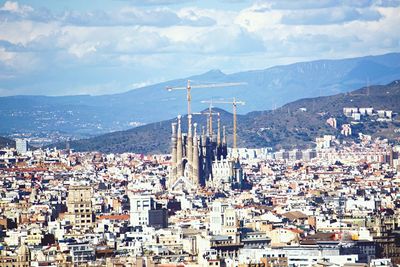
x=25 y=32
x=158 y=2
x=133 y=44
x=330 y=16
x=334 y=33
x=160 y=17
x=6 y=56
x=125 y=16
x=321 y=4
x=83 y=49
x=14 y=7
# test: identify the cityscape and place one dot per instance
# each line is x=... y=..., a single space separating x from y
x=115 y=151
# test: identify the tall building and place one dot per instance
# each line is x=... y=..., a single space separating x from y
x=145 y=211
x=224 y=220
x=79 y=205
x=22 y=257
x=21 y=145
x=193 y=155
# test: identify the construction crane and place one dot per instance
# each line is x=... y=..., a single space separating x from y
x=189 y=87
x=234 y=104
x=210 y=122
x=210 y=113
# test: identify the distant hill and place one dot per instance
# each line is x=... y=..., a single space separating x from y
x=296 y=124
x=85 y=116
x=6 y=142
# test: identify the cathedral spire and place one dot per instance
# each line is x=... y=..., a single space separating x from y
x=219 y=130
x=172 y=177
x=224 y=135
x=195 y=164
x=173 y=142
x=189 y=147
x=208 y=126
x=224 y=148
x=179 y=149
x=190 y=125
x=210 y=123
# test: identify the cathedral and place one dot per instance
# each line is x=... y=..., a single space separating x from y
x=197 y=158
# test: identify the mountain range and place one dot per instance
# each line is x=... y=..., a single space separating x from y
x=293 y=125
x=83 y=116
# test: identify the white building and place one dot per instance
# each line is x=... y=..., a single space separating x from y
x=146 y=212
x=224 y=220
x=21 y=145
x=140 y=206
x=309 y=255
x=81 y=253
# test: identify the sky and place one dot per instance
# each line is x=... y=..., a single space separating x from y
x=69 y=47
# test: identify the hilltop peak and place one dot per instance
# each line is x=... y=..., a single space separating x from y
x=215 y=72
x=394 y=83
x=209 y=75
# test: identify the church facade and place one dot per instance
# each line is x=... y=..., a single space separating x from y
x=197 y=158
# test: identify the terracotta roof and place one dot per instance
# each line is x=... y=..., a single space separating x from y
x=116 y=217
x=171 y=265
x=294 y=215
x=296 y=231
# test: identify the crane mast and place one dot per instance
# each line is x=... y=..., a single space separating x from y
x=189 y=87
x=210 y=113
x=234 y=104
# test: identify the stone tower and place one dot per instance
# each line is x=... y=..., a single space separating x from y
x=193 y=155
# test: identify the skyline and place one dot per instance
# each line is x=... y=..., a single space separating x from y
x=226 y=133
x=69 y=47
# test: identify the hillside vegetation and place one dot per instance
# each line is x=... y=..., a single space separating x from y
x=296 y=124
